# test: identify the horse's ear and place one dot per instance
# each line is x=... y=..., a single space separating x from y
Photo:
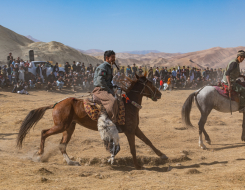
x=137 y=76
x=145 y=74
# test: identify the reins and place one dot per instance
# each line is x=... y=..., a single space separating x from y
x=153 y=94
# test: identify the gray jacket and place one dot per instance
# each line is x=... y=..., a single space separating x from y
x=103 y=76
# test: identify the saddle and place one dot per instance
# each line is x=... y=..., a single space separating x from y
x=222 y=89
x=93 y=107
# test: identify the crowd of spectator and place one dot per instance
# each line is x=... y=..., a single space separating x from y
x=177 y=78
x=15 y=74
x=76 y=76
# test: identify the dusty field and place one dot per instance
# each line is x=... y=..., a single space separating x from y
x=219 y=167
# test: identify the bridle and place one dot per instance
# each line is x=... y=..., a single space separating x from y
x=153 y=94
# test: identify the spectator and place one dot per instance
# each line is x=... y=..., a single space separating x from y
x=128 y=71
x=56 y=69
x=140 y=71
x=150 y=74
x=38 y=83
x=134 y=69
x=51 y=82
x=9 y=59
x=60 y=83
x=74 y=67
x=21 y=74
x=174 y=73
x=157 y=73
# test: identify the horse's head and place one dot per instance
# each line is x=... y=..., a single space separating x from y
x=147 y=88
x=140 y=85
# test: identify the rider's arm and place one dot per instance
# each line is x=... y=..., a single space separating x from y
x=101 y=79
x=232 y=66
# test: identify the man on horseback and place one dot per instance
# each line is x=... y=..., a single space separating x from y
x=103 y=92
x=231 y=74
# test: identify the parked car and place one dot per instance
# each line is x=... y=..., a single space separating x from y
x=34 y=64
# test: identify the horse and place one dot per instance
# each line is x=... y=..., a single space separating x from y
x=207 y=98
x=70 y=111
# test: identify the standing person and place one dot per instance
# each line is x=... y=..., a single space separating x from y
x=207 y=73
x=9 y=71
x=74 y=67
x=174 y=73
x=134 y=69
x=90 y=68
x=44 y=72
x=183 y=72
x=122 y=70
x=157 y=73
x=162 y=73
x=150 y=75
x=128 y=71
x=204 y=74
x=21 y=74
x=56 y=69
x=192 y=74
x=187 y=72
x=67 y=67
x=79 y=67
x=230 y=76
x=39 y=71
x=10 y=59
x=140 y=71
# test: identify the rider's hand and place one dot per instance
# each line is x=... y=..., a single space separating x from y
x=229 y=88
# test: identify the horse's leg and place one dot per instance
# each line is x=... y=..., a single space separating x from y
x=207 y=139
x=201 y=124
x=63 y=143
x=243 y=128
x=142 y=137
x=48 y=132
x=131 y=141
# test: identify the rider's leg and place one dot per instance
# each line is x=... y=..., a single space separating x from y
x=240 y=89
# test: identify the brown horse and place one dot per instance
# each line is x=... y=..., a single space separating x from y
x=71 y=111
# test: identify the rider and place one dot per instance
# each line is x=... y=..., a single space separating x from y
x=231 y=74
x=103 y=87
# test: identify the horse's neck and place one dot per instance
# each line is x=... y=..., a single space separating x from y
x=136 y=97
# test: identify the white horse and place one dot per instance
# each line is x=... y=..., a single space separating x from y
x=207 y=98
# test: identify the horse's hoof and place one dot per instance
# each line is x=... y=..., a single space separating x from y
x=209 y=142
x=164 y=157
x=138 y=167
x=73 y=163
x=203 y=147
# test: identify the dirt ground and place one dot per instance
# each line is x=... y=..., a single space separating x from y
x=189 y=167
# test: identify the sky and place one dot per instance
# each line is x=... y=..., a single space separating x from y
x=169 y=26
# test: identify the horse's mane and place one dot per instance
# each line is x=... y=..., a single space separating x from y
x=126 y=84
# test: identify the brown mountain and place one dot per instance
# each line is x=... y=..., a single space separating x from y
x=214 y=58
x=52 y=51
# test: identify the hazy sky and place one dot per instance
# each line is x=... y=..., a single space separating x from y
x=125 y=25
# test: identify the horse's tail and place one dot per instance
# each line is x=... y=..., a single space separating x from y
x=31 y=120
x=186 y=109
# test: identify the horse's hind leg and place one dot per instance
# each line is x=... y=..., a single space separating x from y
x=46 y=133
x=207 y=139
x=243 y=128
x=142 y=136
x=63 y=143
x=201 y=124
x=131 y=141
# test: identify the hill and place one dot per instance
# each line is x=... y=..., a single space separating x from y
x=52 y=51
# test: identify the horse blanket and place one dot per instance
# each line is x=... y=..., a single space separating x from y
x=222 y=89
x=93 y=111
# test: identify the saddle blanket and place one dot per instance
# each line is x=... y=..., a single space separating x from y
x=93 y=111
x=224 y=92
